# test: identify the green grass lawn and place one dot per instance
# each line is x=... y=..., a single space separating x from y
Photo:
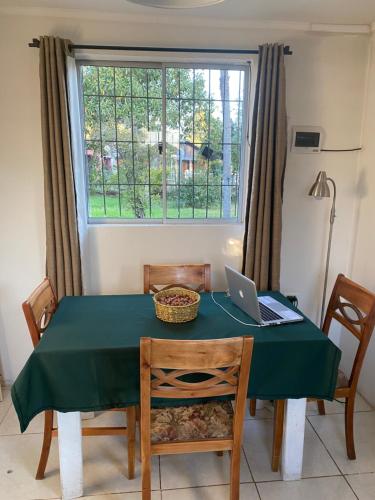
x=112 y=210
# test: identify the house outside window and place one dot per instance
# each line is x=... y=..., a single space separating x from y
x=164 y=143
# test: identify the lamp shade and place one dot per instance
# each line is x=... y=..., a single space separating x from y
x=320 y=188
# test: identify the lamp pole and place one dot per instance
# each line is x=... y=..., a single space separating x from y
x=331 y=222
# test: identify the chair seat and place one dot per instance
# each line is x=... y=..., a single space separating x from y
x=342 y=380
x=210 y=420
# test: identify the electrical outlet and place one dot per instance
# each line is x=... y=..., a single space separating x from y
x=292 y=297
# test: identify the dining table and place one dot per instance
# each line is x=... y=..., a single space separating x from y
x=88 y=360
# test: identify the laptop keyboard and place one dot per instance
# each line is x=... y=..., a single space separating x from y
x=267 y=314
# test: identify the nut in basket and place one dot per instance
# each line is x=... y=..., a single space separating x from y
x=176 y=305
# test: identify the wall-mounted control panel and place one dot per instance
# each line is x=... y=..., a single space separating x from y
x=307 y=139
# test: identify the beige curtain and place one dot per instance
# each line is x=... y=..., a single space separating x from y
x=262 y=239
x=63 y=263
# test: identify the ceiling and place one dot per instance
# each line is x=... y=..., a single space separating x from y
x=313 y=11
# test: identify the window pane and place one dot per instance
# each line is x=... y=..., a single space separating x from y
x=123 y=128
x=140 y=120
x=154 y=82
x=173 y=164
x=186 y=200
x=92 y=117
x=173 y=202
x=96 y=201
x=90 y=80
x=107 y=116
x=139 y=82
x=106 y=81
x=201 y=121
x=173 y=82
x=125 y=163
x=155 y=114
x=156 y=192
x=110 y=163
x=127 y=202
x=186 y=83
x=141 y=163
x=123 y=84
x=124 y=122
x=186 y=117
x=94 y=162
x=112 y=201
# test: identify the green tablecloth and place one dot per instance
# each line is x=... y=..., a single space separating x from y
x=88 y=358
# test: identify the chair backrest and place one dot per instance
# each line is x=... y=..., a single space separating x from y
x=354 y=307
x=198 y=275
x=38 y=309
x=169 y=369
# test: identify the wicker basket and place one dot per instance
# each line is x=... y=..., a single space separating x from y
x=176 y=314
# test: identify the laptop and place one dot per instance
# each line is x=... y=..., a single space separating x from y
x=264 y=310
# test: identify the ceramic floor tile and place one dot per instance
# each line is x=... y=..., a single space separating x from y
x=323 y=488
x=363 y=485
x=198 y=469
x=331 y=430
x=338 y=407
x=105 y=467
x=247 y=492
x=156 y=495
x=10 y=424
x=5 y=403
x=257 y=444
x=264 y=410
x=19 y=457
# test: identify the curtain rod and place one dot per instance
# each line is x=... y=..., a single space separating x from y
x=36 y=43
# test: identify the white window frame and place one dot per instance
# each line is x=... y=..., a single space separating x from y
x=246 y=66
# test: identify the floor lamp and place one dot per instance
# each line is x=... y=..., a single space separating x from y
x=319 y=190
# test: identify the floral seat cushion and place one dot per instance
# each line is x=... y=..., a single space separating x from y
x=210 y=420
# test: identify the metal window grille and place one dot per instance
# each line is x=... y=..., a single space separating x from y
x=164 y=142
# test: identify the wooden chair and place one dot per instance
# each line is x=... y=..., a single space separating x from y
x=39 y=309
x=181 y=275
x=354 y=307
x=225 y=366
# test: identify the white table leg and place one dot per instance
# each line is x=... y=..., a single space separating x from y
x=70 y=454
x=294 y=434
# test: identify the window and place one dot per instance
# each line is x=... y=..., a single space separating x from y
x=163 y=142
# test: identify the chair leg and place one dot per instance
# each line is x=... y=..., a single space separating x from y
x=278 y=429
x=253 y=407
x=145 y=458
x=131 y=440
x=235 y=473
x=349 y=432
x=321 y=407
x=47 y=438
x=146 y=477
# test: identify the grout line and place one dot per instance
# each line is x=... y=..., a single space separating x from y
x=334 y=461
x=358 y=473
x=280 y=480
x=251 y=473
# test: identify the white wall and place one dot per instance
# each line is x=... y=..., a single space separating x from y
x=325 y=79
x=364 y=250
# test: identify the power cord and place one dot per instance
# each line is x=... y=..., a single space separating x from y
x=231 y=315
